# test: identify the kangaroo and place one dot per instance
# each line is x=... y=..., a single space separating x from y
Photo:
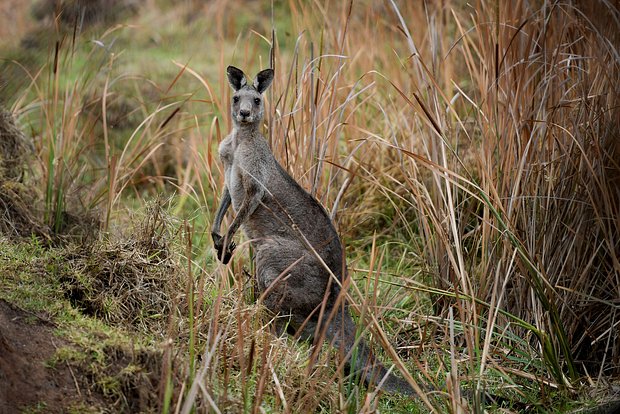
x=297 y=248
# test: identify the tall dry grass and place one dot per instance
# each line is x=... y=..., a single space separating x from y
x=489 y=135
x=520 y=208
x=498 y=150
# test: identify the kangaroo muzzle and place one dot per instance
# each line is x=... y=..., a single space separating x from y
x=245 y=113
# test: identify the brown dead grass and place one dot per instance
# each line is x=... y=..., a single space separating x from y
x=134 y=280
x=84 y=12
x=18 y=212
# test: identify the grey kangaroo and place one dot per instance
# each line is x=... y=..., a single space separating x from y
x=297 y=248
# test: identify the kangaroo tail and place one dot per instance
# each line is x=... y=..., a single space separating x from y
x=341 y=332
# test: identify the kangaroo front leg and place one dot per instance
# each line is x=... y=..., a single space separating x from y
x=221 y=211
x=218 y=241
x=253 y=195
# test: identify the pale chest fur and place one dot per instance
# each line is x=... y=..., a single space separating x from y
x=244 y=159
x=232 y=178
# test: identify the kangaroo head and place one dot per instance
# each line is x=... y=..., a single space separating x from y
x=247 y=101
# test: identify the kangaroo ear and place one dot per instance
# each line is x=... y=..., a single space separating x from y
x=263 y=80
x=236 y=78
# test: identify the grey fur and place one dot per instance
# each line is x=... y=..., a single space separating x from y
x=288 y=228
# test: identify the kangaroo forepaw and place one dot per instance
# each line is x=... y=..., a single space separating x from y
x=224 y=253
x=228 y=253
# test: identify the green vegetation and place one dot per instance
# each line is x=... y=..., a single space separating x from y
x=468 y=152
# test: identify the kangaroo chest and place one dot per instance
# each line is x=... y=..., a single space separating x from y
x=243 y=161
x=232 y=178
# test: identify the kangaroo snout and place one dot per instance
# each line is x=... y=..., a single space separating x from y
x=246 y=106
x=244 y=112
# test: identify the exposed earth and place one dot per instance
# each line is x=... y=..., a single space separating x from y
x=29 y=381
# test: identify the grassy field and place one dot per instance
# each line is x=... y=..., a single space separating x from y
x=467 y=152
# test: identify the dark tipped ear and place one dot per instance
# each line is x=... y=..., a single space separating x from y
x=263 y=80
x=236 y=78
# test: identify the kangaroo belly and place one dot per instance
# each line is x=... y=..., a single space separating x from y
x=291 y=278
x=264 y=224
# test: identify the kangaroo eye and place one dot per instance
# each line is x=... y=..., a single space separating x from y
x=235 y=99
x=257 y=101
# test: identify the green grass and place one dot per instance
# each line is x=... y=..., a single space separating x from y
x=106 y=358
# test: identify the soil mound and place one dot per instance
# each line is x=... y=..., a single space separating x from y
x=27 y=344
x=18 y=218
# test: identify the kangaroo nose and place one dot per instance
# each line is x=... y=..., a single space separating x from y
x=244 y=113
